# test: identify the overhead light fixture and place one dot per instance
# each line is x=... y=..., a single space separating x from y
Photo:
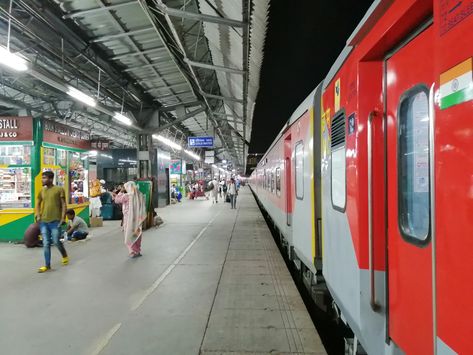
x=122 y=118
x=12 y=60
x=192 y=154
x=80 y=96
x=167 y=141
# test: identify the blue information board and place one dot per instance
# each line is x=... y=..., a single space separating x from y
x=200 y=142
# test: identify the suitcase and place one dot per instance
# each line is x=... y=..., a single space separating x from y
x=107 y=212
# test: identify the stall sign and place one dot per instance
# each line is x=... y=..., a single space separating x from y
x=16 y=129
x=60 y=134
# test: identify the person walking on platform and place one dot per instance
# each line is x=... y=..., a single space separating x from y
x=232 y=192
x=51 y=213
x=134 y=214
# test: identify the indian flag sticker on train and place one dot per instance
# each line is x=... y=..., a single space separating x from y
x=456 y=85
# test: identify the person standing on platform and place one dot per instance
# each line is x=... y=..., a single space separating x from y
x=214 y=190
x=134 y=214
x=224 y=190
x=232 y=191
x=51 y=213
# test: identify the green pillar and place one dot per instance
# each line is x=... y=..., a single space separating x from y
x=36 y=157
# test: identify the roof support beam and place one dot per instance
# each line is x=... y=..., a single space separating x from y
x=185 y=104
x=98 y=9
x=179 y=120
x=224 y=98
x=161 y=65
x=214 y=67
x=226 y=115
x=134 y=54
x=199 y=17
x=121 y=35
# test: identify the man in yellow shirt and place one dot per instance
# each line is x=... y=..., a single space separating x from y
x=50 y=213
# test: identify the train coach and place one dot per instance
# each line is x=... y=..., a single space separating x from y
x=370 y=182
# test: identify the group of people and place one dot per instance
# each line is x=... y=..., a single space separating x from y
x=226 y=190
x=51 y=214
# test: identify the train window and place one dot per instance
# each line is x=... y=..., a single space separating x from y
x=338 y=162
x=272 y=181
x=413 y=165
x=278 y=181
x=299 y=164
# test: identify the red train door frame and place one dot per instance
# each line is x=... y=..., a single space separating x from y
x=288 y=172
x=409 y=75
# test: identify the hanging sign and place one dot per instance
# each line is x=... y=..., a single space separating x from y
x=16 y=129
x=101 y=145
x=200 y=142
x=60 y=134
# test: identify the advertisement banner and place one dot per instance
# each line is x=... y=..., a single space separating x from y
x=175 y=167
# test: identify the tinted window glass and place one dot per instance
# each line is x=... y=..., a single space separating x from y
x=299 y=164
x=414 y=179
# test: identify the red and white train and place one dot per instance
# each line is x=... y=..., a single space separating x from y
x=370 y=182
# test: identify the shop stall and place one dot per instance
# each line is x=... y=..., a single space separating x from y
x=27 y=148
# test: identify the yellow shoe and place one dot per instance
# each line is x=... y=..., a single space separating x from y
x=65 y=260
x=43 y=269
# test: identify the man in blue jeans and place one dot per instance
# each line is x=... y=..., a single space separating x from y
x=50 y=213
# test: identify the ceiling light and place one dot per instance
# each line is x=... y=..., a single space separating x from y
x=12 y=60
x=78 y=95
x=167 y=141
x=122 y=118
x=192 y=154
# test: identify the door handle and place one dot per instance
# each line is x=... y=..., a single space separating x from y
x=373 y=303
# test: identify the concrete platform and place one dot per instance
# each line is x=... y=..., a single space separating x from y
x=211 y=281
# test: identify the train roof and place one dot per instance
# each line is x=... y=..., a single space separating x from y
x=376 y=10
x=300 y=110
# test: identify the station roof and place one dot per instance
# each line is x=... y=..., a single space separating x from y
x=177 y=68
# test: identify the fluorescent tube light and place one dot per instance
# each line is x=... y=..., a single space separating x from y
x=192 y=154
x=122 y=118
x=166 y=141
x=12 y=60
x=80 y=96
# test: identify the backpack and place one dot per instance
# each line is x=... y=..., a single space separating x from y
x=225 y=188
x=211 y=186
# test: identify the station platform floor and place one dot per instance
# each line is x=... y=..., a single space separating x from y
x=211 y=281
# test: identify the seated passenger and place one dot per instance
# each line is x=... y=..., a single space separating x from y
x=77 y=228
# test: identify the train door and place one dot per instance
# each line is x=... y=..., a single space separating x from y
x=288 y=179
x=408 y=79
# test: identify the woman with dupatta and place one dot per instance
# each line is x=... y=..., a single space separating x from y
x=134 y=214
